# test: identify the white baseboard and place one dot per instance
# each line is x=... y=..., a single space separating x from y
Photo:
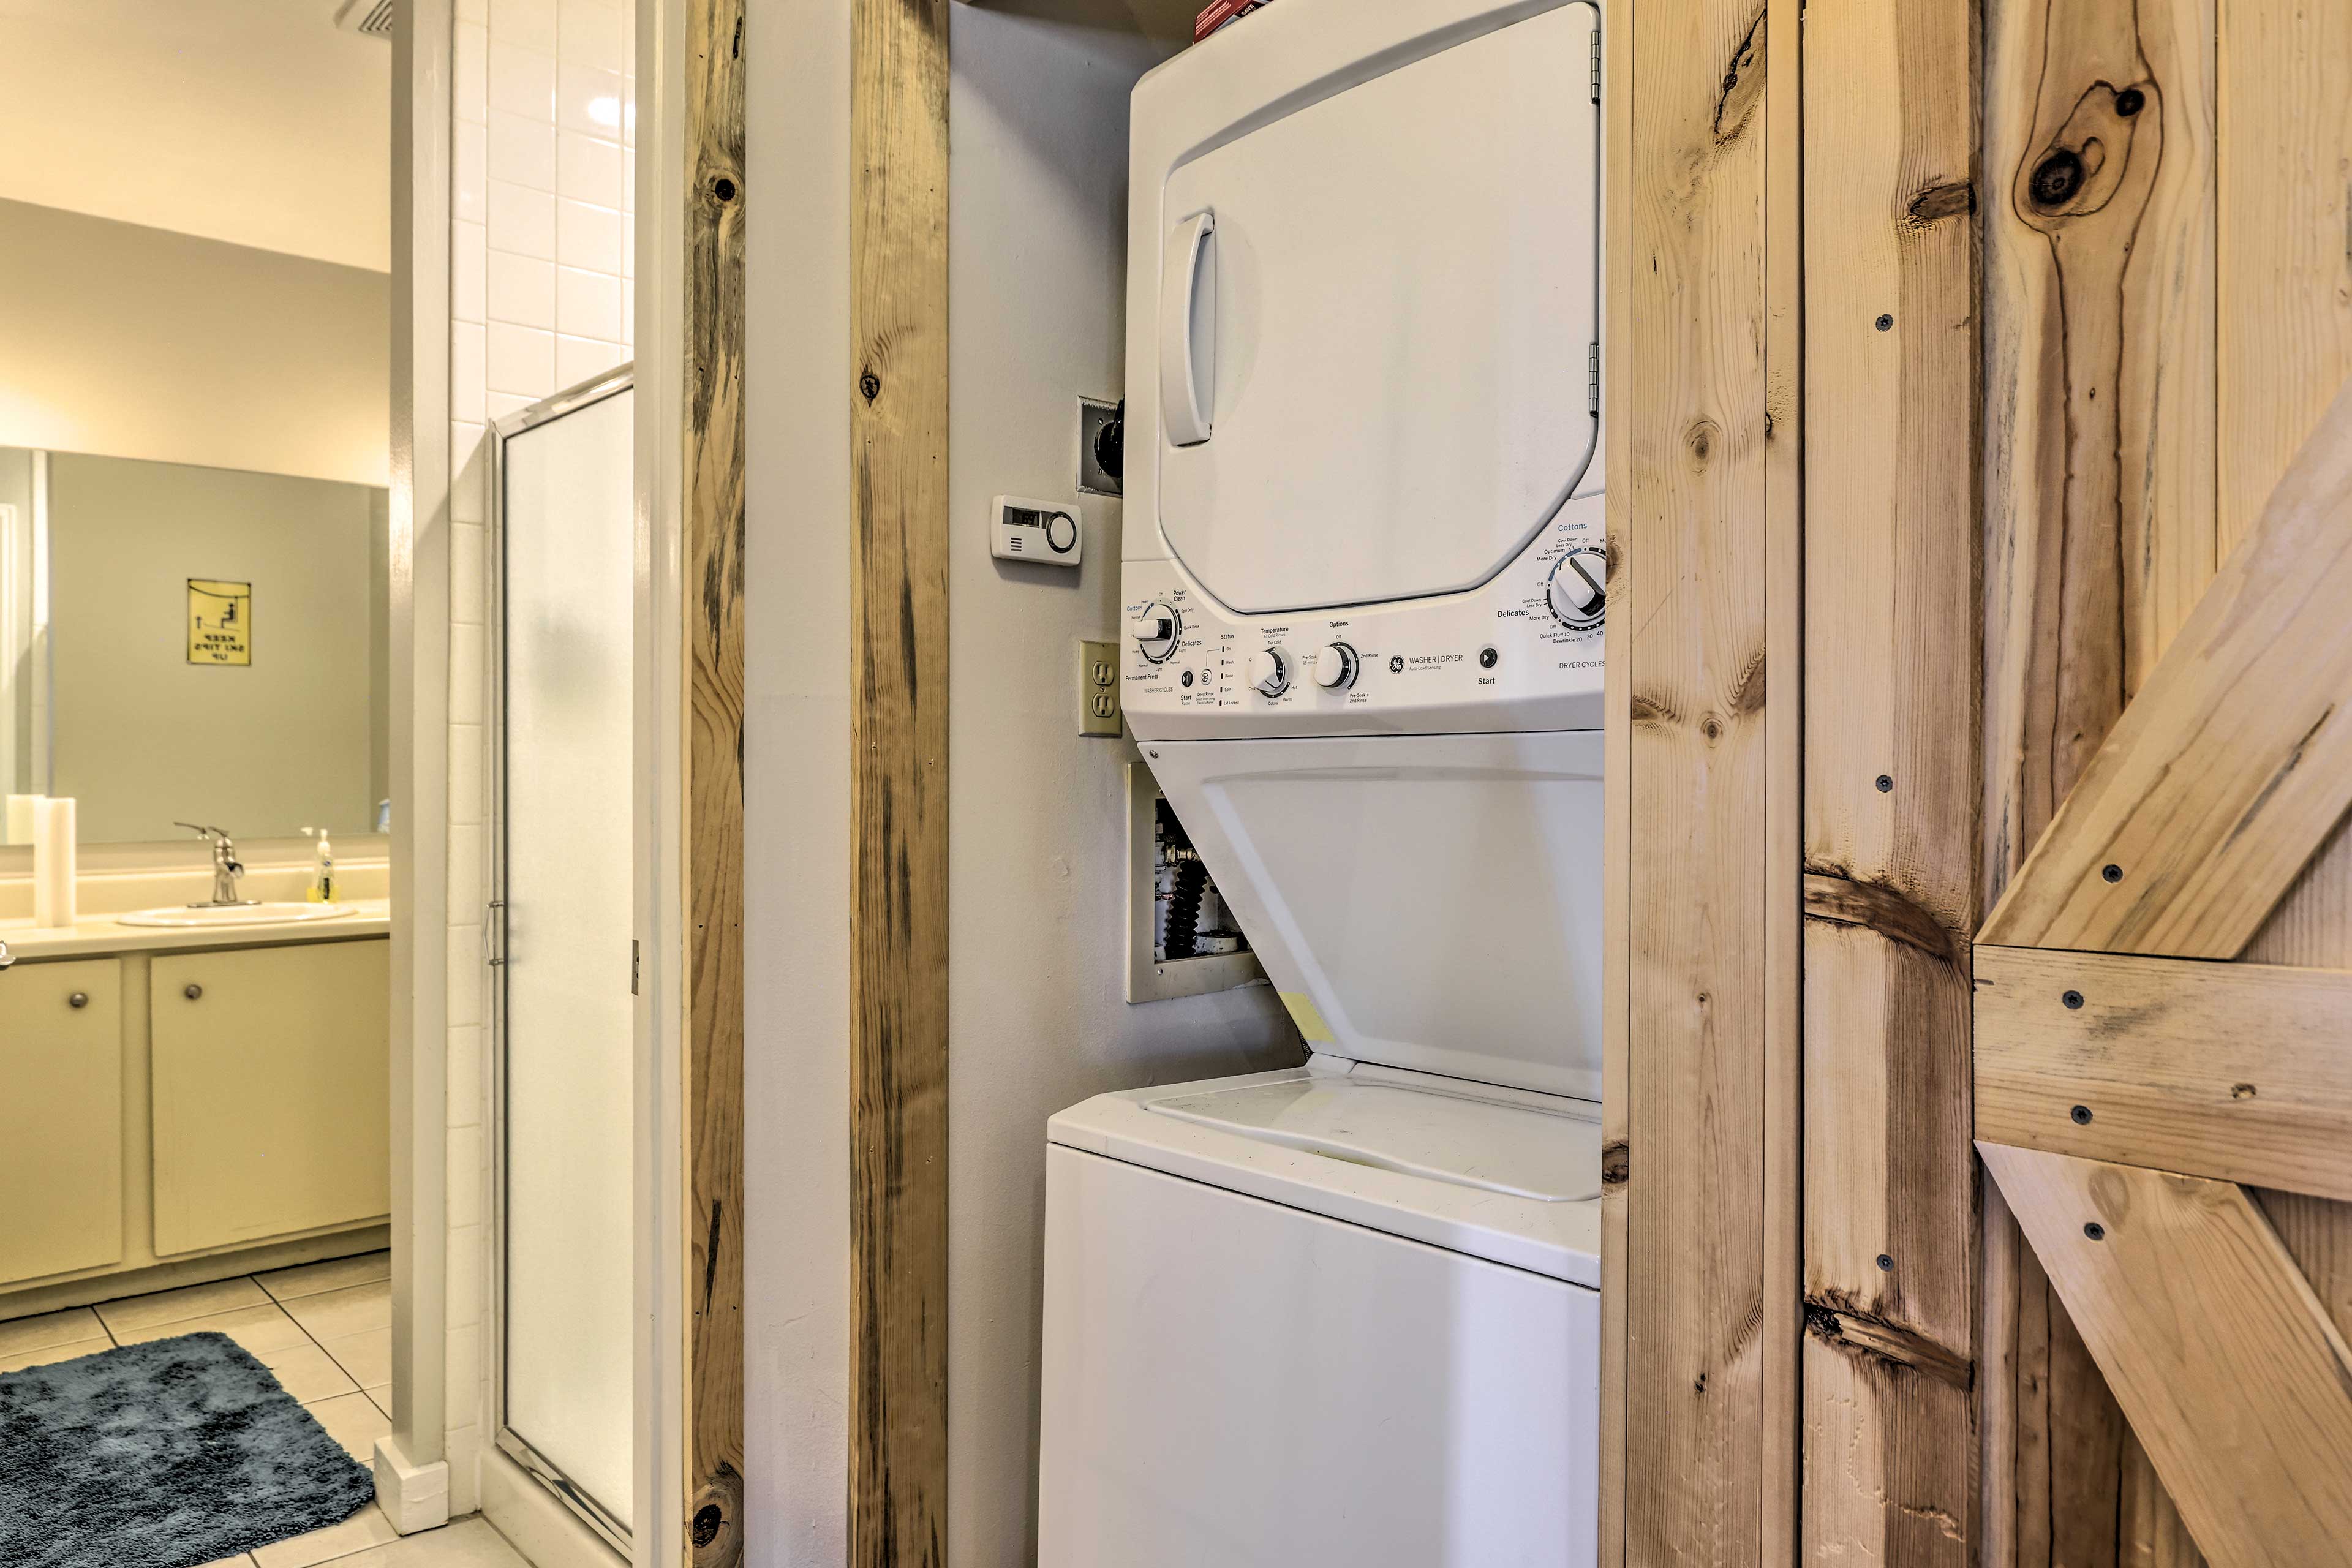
x=535 y=1522
x=414 y=1497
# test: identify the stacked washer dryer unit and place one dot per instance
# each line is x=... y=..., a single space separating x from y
x=1347 y=1313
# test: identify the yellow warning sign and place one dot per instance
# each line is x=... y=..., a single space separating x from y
x=220 y=622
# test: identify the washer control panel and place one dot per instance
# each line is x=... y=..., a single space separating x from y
x=1521 y=652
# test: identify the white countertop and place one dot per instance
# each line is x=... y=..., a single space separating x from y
x=101 y=934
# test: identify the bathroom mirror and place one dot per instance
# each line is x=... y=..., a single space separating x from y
x=182 y=644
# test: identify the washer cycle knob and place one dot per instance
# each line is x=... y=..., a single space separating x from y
x=1578 y=589
x=1270 y=671
x=1335 y=668
x=1156 y=631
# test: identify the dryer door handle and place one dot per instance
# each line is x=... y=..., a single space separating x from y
x=1188 y=330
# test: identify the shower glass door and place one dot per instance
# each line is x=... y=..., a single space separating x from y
x=564 y=558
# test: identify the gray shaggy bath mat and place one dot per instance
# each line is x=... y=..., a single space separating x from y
x=162 y=1455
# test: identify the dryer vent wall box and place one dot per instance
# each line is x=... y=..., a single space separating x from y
x=1365 y=577
x=1052 y=532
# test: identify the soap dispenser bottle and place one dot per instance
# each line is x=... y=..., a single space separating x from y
x=322 y=865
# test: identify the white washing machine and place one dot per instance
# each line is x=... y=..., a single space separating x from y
x=1348 y=1314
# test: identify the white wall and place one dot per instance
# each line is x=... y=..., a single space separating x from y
x=126 y=341
x=259 y=124
x=1037 y=216
x=796 y=771
x=1037 y=815
x=539 y=299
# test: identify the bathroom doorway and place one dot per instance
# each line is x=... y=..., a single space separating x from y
x=205 y=1255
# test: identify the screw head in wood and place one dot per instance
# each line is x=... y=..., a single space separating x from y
x=2082 y=1115
x=1885 y=783
x=1885 y=323
x=2072 y=999
x=2096 y=1231
x=1885 y=1263
x=2112 y=873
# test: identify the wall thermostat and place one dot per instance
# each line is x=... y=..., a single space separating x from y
x=1050 y=531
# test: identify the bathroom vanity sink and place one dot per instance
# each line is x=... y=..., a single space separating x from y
x=191 y=917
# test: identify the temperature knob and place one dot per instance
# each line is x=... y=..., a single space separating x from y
x=1578 y=590
x=1335 y=668
x=1156 y=630
x=1270 y=671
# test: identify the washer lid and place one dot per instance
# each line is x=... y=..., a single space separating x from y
x=1550 y=1154
x=1237 y=1134
x=1375 y=352
x=1427 y=901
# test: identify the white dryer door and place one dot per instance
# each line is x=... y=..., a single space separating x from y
x=1427 y=901
x=1392 y=316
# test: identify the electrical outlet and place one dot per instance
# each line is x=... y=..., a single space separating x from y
x=1098 y=708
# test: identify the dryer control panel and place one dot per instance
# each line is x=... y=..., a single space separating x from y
x=1523 y=651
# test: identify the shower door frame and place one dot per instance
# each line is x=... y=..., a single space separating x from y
x=546 y=411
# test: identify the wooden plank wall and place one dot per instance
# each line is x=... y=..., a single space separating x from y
x=2168 y=310
x=1701 y=1159
x=899 y=891
x=712 y=471
x=1890 y=769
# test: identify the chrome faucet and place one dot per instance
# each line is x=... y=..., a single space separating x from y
x=226 y=867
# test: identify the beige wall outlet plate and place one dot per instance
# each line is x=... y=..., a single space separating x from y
x=1098 y=710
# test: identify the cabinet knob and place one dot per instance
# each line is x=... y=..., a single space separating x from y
x=78 y=999
x=192 y=991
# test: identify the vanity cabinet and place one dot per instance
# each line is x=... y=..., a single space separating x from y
x=271 y=1090
x=60 y=1117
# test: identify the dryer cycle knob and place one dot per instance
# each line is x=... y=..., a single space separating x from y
x=1156 y=631
x=1578 y=589
x=1335 y=668
x=1270 y=671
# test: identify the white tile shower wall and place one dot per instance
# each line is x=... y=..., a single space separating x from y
x=540 y=296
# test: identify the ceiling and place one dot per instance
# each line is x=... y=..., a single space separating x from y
x=255 y=121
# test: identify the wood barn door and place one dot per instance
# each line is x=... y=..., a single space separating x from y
x=2168 y=1273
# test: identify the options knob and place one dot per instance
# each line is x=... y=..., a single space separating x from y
x=1270 y=671
x=1335 y=668
x=1578 y=589
x=1155 y=631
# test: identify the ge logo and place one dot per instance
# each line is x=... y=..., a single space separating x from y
x=1396 y=664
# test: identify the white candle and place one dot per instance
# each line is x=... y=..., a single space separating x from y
x=53 y=862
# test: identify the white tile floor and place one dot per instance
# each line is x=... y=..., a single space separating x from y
x=324 y=1330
